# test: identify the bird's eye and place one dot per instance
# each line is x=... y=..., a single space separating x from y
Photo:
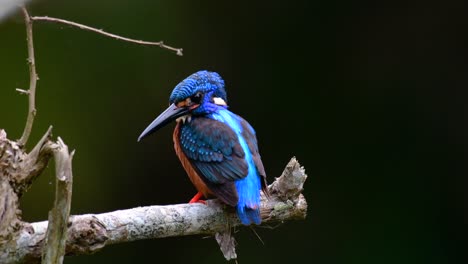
x=196 y=98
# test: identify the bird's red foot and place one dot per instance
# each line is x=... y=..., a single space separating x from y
x=196 y=198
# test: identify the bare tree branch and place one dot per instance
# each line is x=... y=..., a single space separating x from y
x=102 y=32
x=92 y=232
x=57 y=228
x=31 y=92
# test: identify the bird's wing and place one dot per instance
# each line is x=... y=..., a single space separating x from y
x=213 y=149
x=249 y=135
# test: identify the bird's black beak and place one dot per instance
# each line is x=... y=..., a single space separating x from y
x=170 y=114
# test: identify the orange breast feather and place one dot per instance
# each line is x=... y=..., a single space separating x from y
x=191 y=172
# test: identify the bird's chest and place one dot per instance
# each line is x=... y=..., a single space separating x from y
x=186 y=164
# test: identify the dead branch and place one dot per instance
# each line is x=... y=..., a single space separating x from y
x=92 y=232
x=57 y=228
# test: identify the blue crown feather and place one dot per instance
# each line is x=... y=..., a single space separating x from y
x=201 y=81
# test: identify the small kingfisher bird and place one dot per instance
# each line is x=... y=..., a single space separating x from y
x=217 y=148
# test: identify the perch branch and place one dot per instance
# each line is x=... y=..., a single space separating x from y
x=57 y=229
x=31 y=92
x=91 y=232
x=102 y=32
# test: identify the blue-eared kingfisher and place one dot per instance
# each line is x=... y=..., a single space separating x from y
x=217 y=148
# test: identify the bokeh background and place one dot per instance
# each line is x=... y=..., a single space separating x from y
x=370 y=101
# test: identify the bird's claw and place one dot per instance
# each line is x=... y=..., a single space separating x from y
x=196 y=199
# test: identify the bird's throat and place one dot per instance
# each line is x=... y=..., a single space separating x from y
x=184 y=118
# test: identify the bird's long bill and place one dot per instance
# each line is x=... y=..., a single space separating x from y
x=170 y=114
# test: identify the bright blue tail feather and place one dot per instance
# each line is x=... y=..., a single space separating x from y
x=248 y=207
x=248 y=216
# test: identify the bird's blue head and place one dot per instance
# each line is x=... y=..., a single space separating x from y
x=207 y=85
x=199 y=94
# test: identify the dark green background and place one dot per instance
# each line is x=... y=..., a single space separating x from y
x=370 y=100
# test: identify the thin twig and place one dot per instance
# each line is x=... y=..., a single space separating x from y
x=102 y=32
x=22 y=91
x=32 y=79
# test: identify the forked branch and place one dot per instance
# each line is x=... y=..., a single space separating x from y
x=33 y=77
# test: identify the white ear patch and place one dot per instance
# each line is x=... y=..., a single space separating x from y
x=219 y=101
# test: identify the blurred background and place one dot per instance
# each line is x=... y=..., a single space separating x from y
x=370 y=101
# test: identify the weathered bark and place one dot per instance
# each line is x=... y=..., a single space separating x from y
x=92 y=232
x=57 y=229
x=17 y=171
